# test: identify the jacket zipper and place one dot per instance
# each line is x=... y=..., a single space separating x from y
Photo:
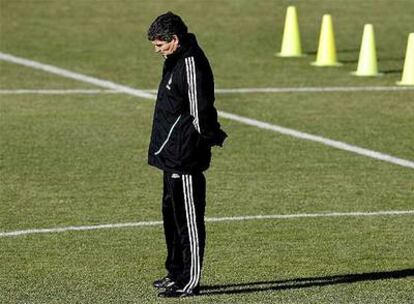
x=168 y=136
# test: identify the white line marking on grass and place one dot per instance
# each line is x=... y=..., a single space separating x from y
x=78 y=228
x=241 y=119
x=208 y=219
x=310 y=215
x=69 y=74
x=306 y=90
x=313 y=90
x=329 y=142
x=58 y=92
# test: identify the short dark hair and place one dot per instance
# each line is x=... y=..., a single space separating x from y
x=165 y=26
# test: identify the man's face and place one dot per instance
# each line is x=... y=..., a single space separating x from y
x=165 y=48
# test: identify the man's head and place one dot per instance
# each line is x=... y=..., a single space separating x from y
x=166 y=32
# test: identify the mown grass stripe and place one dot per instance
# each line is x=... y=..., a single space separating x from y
x=322 y=140
x=77 y=76
x=234 y=117
x=220 y=91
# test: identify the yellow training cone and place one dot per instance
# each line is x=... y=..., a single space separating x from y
x=291 y=46
x=326 y=55
x=408 y=70
x=367 y=63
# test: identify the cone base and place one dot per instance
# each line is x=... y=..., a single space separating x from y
x=359 y=74
x=289 y=55
x=323 y=64
x=403 y=83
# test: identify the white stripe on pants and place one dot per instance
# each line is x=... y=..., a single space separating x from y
x=192 y=232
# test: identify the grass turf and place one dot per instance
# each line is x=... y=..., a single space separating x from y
x=81 y=160
x=274 y=262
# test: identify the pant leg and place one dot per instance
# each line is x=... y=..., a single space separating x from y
x=198 y=192
x=174 y=260
x=184 y=223
x=189 y=201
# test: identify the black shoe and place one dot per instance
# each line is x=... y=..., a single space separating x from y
x=165 y=282
x=175 y=292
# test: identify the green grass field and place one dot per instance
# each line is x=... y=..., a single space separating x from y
x=80 y=159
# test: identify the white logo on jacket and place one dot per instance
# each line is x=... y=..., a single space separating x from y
x=168 y=86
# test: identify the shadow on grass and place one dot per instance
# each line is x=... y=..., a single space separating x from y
x=392 y=71
x=350 y=51
x=304 y=282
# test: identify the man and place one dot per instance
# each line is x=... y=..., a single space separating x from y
x=185 y=127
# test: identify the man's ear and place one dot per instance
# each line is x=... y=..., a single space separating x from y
x=176 y=40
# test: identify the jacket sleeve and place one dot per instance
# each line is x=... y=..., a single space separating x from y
x=198 y=86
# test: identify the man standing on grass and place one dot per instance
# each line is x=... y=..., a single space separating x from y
x=185 y=127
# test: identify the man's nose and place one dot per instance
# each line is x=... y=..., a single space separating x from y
x=157 y=49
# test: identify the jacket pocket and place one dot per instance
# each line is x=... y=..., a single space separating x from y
x=190 y=141
x=168 y=136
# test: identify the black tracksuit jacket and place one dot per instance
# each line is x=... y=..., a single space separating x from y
x=185 y=125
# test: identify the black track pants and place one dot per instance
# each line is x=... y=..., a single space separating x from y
x=183 y=208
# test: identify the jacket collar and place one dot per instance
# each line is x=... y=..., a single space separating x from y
x=187 y=43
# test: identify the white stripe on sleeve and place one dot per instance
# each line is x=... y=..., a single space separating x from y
x=192 y=90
